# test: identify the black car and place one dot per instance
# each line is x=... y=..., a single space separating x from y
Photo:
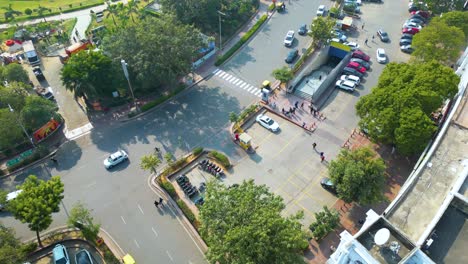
x=383 y=35
x=404 y=42
x=361 y=62
x=328 y=185
x=302 y=30
x=39 y=75
x=407 y=36
x=419 y=17
x=292 y=56
x=351 y=71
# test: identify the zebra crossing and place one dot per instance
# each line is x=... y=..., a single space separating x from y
x=237 y=82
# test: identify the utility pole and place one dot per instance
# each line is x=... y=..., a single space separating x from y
x=124 y=68
x=22 y=126
x=220 y=38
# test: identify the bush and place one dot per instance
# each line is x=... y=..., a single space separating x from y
x=29 y=248
x=179 y=163
x=271 y=7
x=302 y=59
x=197 y=151
x=38 y=153
x=169 y=188
x=109 y=257
x=187 y=212
x=221 y=158
x=162 y=99
x=325 y=221
x=241 y=42
x=28 y=11
x=247 y=112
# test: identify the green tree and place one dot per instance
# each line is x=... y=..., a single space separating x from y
x=359 y=176
x=442 y=6
x=37 y=111
x=112 y=11
x=14 y=95
x=91 y=73
x=439 y=42
x=81 y=218
x=132 y=8
x=401 y=89
x=244 y=224
x=15 y=72
x=419 y=125
x=28 y=11
x=10 y=13
x=10 y=247
x=40 y=10
x=321 y=29
x=325 y=222
x=11 y=131
x=457 y=19
x=233 y=117
x=283 y=74
x=157 y=50
x=36 y=203
x=150 y=162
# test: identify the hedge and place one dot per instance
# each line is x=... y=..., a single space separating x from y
x=187 y=212
x=244 y=39
x=196 y=151
x=271 y=7
x=162 y=99
x=39 y=153
x=302 y=59
x=169 y=188
x=221 y=158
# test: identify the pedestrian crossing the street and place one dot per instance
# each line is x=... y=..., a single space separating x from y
x=226 y=77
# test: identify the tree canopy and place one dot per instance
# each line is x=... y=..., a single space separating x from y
x=36 y=203
x=244 y=224
x=283 y=74
x=403 y=93
x=150 y=162
x=457 y=19
x=321 y=29
x=10 y=246
x=14 y=72
x=359 y=176
x=439 y=42
x=10 y=130
x=81 y=217
x=442 y=6
x=92 y=73
x=37 y=111
x=157 y=50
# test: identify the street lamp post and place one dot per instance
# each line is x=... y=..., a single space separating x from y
x=124 y=67
x=220 y=38
x=24 y=129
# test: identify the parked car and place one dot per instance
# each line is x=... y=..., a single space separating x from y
x=45 y=92
x=328 y=185
x=289 y=39
x=417 y=16
x=383 y=35
x=353 y=45
x=9 y=197
x=83 y=257
x=353 y=8
x=351 y=78
x=291 y=56
x=267 y=123
x=302 y=30
x=115 y=159
x=60 y=254
x=407 y=49
x=361 y=62
x=356 y=66
x=404 y=42
x=412 y=25
x=381 y=56
x=340 y=36
x=38 y=73
x=423 y=13
x=361 y=55
x=351 y=71
x=357 y=2
x=407 y=36
x=411 y=31
x=415 y=20
x=321 y=10
x=345 y=85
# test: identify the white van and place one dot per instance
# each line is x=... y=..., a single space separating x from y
x=30 y=53
x=10 y=197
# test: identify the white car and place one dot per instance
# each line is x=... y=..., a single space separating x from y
x=353 y=45
x=351 y=78
x=381 y=56
x=321 y=10
x=267 y=123
x=115 y=158
x=10 y=197
x=289 y=39
x=412 y=25
x=346 y=85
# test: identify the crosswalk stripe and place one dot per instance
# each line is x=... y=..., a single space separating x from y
x=246 y=86
x=258 y=92
x=250 y=88
x=229 y=77
x=254 y=90
x=242 y=84
x=259 y=95
x=234 y=80
x=237 y=82
x=216 y=71
x=222 y=74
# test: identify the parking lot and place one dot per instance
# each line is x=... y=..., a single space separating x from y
x=73 y=246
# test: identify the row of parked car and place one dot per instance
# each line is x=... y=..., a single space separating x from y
x=418 y=19
x=60 y=255
x=354 y=71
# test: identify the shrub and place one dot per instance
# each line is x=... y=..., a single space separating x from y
x=162 y=99
x=29 y=248
x=241 y=42
x=271 y=7
x=325 y=221
x=179 y=163
x=221 y=158
x=109 y=257
x=302 y=59
x=187 y=212
x=169 y=188
x=28 y=11
x=197 y=151
x=247 y=112
x=38 y=153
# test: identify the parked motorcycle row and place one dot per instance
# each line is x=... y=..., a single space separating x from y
x=186 y=186
x=211 y=167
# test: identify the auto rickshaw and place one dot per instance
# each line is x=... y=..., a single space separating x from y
x=245 y=142
x=266 y=85
x=280 y=6
x=128 y=259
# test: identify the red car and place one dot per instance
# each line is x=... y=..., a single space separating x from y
x=411 y=31
x=360 y=55
x=422 y=13
x=356 y=66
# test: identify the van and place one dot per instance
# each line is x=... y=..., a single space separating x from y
x=60 y=254
x=10 y=197
x=30 y=53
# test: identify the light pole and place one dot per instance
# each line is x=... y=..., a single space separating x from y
x=220 y=38
x=124 y=67
x=21 y=124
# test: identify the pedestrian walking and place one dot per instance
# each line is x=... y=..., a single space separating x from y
x=294 y=110
x=160 y=200
x=74 y=39
x=302 y=105
x=296 y=104
x=311 y=109
x=290 y=110
x=322 y=158
x=156 y=203
x=362 y=26
x=314 y=145
x=303 y=124
x=282 y=110
x=321 y=154
x=373 y=37
x=366 y=41
x=320 y=77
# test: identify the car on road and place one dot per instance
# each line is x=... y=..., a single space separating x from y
x=267 y=123
x=328 y=185
x=351 y=78
x=361 y=55
x=302 y=30
x=407 y=36
x=361 y=62
x=412 y=25
x=115 y=159
x=351 y=71
x=407 y=49
x=289 y=39
x=321 y=10
x=383 y=35
x=38 y=73
x=411 y=31
x=292 y=56
x=83 y=257
x=356 y=66
x=404 y=42
x=381 y=55
x=345 y=85
x=60 y=254
x=353 y=45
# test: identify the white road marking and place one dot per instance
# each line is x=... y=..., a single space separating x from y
x=243 y=84
x=222 y=74
x=123 y=220
x=259 y=95
x=234 y=80
x=136 y=243
x=216 y=71
x=141 y=210
x=258 y=92
x=250 y=88
x=169 y=255
x=154 y=231
x=237 y=82
x=254 y=90
x=229 y=78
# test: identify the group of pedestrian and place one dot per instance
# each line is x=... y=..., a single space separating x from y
x=322 y=155
x=160 y=202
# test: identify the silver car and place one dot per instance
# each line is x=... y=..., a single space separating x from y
x=115 y=158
